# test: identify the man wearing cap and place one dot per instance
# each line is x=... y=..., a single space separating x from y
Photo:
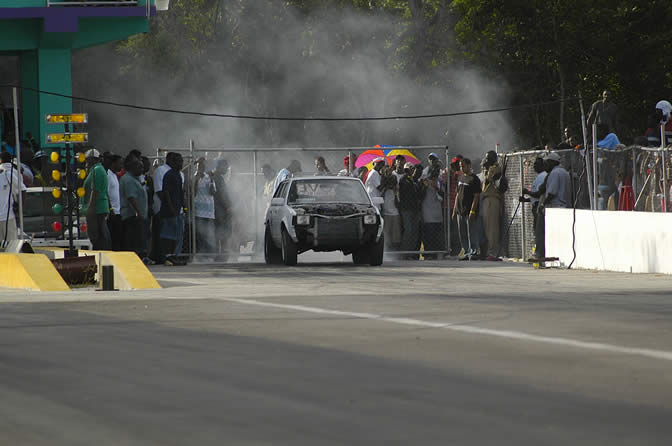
x=96 y=184
x=409 y=209
x=349 y=169
x=373 y=180
x=434 y=161
x=554 y=193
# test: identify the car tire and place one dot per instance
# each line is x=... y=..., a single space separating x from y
x=361 y=256
x=272 y=254
x=289 y=249
x=377 y=252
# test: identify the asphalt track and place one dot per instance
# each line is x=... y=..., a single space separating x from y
x=421 y=353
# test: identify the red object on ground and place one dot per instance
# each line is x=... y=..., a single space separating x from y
x=626 y=199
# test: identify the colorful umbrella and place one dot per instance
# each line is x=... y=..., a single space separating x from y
x=408 y=156
x=389 y=153
x=366 y=158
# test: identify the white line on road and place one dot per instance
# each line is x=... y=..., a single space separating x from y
x=656 y=354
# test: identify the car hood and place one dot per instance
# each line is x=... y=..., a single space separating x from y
x=334 y=209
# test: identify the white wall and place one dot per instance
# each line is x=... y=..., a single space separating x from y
x=638 y=242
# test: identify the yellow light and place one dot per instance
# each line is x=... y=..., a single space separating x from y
x=81 y=157
x=60 y=138
x=73 y=118
x=54 y=157
x=56 y=192
x=81 y=192
x=56 y=175
x=82 y=174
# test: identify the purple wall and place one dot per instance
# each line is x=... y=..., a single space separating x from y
x=59 y=20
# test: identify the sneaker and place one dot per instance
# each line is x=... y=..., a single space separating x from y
x=169 y=262
x=461 y=254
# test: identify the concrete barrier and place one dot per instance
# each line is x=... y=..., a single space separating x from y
x=30 y=272
x=129 y=271
x=638 y=242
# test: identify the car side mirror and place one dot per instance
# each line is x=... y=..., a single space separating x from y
x=378 y=201
x=277 y=201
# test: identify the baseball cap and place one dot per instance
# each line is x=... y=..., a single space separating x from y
x=39 y=154
x=92 y=153
x=434 y=155
x=380 y=159
x=456 y=159
x=553 y=156
x=408 y=166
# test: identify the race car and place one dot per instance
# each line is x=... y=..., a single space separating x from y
x=325 y=213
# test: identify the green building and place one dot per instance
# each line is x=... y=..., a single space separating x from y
x=38 y=36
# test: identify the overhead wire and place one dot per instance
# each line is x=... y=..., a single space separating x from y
x=289 y=118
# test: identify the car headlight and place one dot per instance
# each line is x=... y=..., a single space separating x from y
x=370 y=220
x=303 y=219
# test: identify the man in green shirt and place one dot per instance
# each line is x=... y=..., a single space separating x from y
x=96 y=184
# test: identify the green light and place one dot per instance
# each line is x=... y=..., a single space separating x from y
x=57 y=208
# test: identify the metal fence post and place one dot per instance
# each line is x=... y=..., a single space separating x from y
x=256 y=200
x=192 y=214
x=595 y=182
x=17 y=152
x=662 y=159
x=523 y=232
x=447 y=213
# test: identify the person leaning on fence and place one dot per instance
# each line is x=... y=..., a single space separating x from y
x=172 y=204
x=349 y=169
x=11 y=186
x=465 y=209
x=433 y=237
x=133 y=211
x=409 y=210
x=291 y=170
x=223 y=217
x=204 y=208
x=321 y=167
x=157 y=179
x=491 y=203
x=553 y=193
x=392 y=226
x=451 y=174
x=95 y=203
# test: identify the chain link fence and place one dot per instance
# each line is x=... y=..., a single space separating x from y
x=626 y=178
x=417 y=221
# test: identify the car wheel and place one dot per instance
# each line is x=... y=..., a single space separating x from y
x=377 y=252
x=272 y=255
x=289 y=249
x=361 y=256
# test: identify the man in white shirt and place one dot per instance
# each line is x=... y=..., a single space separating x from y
x=11 y=185
x=373 y=180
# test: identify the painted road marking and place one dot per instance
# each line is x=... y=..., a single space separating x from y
x=656 y=354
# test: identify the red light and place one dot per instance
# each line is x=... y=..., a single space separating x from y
x=56 y=226
x=83 y=227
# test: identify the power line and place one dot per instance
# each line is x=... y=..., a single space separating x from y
x=282 y=118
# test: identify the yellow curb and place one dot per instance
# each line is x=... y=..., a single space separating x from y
x=30 y=272
x=129 y=271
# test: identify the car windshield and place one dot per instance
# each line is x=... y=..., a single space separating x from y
x=327 y=191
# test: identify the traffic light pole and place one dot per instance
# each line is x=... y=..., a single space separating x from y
x=72 y=252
